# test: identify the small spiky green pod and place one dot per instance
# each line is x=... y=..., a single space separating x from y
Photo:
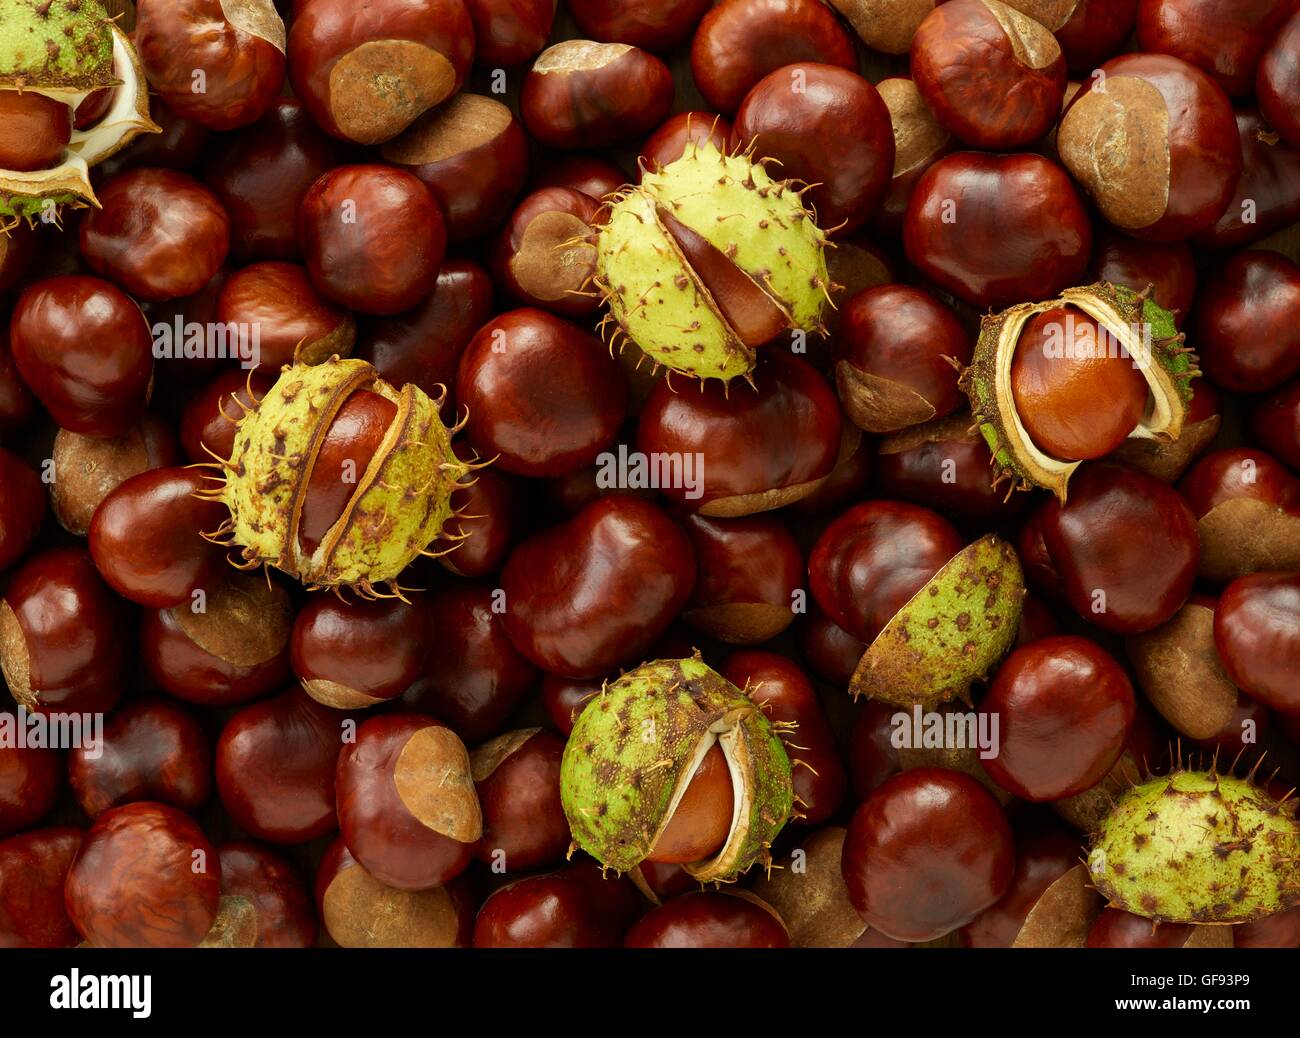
x=952 y=632
x=65 y=50
x=1198 y=847
x=634 y=750
x=401 y=501
x=761 y=225
x=1144 y=330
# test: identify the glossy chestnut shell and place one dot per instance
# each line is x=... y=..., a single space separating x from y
x=1257 y=632
x=709 y=920
x=33 y=871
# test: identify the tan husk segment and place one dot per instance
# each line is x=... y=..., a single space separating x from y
x=807 y=890
x=1141 y=328
x=1245 y=535
x=1063 y=913
x=1178 y=668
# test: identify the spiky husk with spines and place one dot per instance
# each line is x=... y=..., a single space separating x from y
x=656 y=299
x=66 y=49
x=952 y=632
x=634 y=750
x=401 y=503
x=1198 y=847
x=1139 y=324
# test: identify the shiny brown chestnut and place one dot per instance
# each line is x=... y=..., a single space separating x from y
x=407 y=806
x=654 y=24
x=543 y=395
x=1277 y=83
x=33 y=871
x=286 y=318
x=145 y=877
x=599 y=589
x=30 y=780
x=1118 y=929
x=847 y=480
x=830 y=650
x=84 y=349
x=1125 y=545
x=146 y=538
x=1179 y=182
x=565 y=698
x=17 y=405
x=992 y=76
x=956 y=222
x=36 y=130
x=543 y=256
x=1257 y=632
x=474 y=678
x=63 y=635
x=285 y=915
x=517 y=777
x=1064 y=708
x=748 y=572
x=509 y=32
x=230 y=648
x=1267 y=198
x=741 y=41
x=275 y=768
x=926 y=853
x=472 y=155
x=678 y=134
x=1246 y=337
x=708 y=919
x=351 y=655
x=489 y=519
x=550 y=911
x=757 y=448
x=1275 y=423
x=366 y=75
x=586 y=173
x=22 y=508
x=152 y=749
x=1089 y=31
x=218 y=64
x=157 y=233
x=207 y=426
x=1166 y=268
x=373 y=238
x=919 y=142
x=1274 y=931
x=583 y=94
x=804 y=114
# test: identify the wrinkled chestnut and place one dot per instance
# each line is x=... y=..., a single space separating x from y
x=680 y=133
x=33 y=871
x=145 y=877
x=554 y=911
x=517 y=777
x=1257 y=632
x=407 y=807
x=582 y=94
x=63 y=635
x=655 y=24
x=153 y=749
x=828 y=127
x=275 y=765
x=366 y=75
x=1275 y=421
x=955 y=229
x=599 y=589
x=992 y=76
x=351 y=655
x=508 y=32
x=229 y=648
x=1245 y=334
x=287 y=320
x=1268 y=191
x=543 y=256
x=1064 y=708
x=1166 y=268
x=158 y=234
x=22 y=508
x=919 y=142
x=706 y=919
x=1278 y=81
x=285 y=916
x=85 y=350
x=472 y=155
x=741 y=41
x=926 y=853
x=30 y=780
x=220 y=64
x=207 y=426
x=373 y=237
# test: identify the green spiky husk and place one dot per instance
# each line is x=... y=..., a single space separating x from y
x=55 y=45
x=1197 y=847
x=759 y=223
x=951 y=633
x=401 y=501
x=635 y=748
x=1115 y=308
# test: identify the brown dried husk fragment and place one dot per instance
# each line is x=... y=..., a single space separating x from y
x=1178 y=667
x=1245 y=535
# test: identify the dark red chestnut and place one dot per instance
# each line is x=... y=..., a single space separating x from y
x=681 y=132
x=145 y=877
x=1275 y=931
x=207 y=426
x=1118 y=929
x=586 y=173
x=366 y=74
x=545 y=256
x=351 y=440
x=599 y=589
x=517 y=776
x=1268 y=191
x=373 y=237
x=286 y=318
x=741 y=41
x=926 y=853
x=565 y=698
x=489 y=517
x=847 y=480
x=708 y=919
x=30 y=780
x=1245 y=334
x=275 y=766
x=33 y=871
x=22 y=508
x=85 y=350
x=351 y=655
x=1257 y=632
x=992 y=76
x=407 y=806
x=1089 y=31
x=1275 y=421
x=472 y=154
x=919 y=142
x=553 y=911
x=1278 y=81
x=830 y=650
x=955 y=229
x=509 y=32
x=157 y=233
x=654 y=24
x=285 y=915
x=583 y=94
x=220 y=64
x=828 y=127
x=1166 y=268
x=17 y=405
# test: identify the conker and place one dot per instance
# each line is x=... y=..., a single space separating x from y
x=517 y=778
x=543 y=257
x=1257 y=632
x=278 y=303
x=30 y=780
x=1278 y=81
x=654 y=24
x=710 y=920
x=22 y=508
x=1245 y=336
x=286 y=917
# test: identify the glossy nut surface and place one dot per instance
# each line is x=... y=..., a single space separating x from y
x=1257 y=632
x=277 y=302
x=1245 y=337
x=22 y=508
x=33 y=871
x=709 y=920
x=286 y=917
x=517 y=777
x=30 y=780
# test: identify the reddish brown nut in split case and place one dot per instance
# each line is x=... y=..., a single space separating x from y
x=517 y=778
x=366 y=75
x=278 y=304
x=546 y=257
